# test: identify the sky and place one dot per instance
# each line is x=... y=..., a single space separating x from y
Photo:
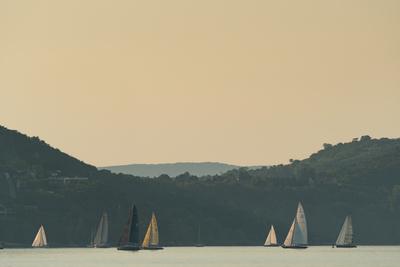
x=246 y=82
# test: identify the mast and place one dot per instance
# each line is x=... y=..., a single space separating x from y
x=198 y=235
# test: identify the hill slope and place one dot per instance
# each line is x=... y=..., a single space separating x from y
x=41 y=185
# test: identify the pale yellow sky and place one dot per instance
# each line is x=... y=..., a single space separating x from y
x=243 y=82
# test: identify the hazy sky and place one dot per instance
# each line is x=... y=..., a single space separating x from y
x=243 y=82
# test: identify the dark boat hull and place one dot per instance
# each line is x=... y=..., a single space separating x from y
x=153 y=248
x=129 y=247
x=102 y=246
x=272 y=245
x=295 y=246
x=346 y=246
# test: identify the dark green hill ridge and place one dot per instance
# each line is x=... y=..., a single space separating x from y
x=41 y=185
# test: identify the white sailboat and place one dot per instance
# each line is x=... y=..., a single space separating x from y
x=101 y=237
x=271 y=238
x=345 y=238
x=297 y=236
x=40 y=240
x=151 y=240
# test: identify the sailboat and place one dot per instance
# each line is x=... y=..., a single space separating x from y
x=199 y=244
x=91 y=242
x=345 y=238
x=271 y=238
x=297 y=236
x=101 y=237
x=130 y=235
x=40 y=240
x=151 y=240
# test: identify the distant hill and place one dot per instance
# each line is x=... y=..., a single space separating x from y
x=42 y=185
x=173 y=169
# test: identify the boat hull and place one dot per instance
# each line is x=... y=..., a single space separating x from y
x=130 y=247
x=295 y=246
x=272 y=245
x=346 y=246
x=153 y=248
x=102 y=246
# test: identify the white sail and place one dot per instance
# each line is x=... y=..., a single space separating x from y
x=298 y=231
x=271 y=238
x=289 y=238
x=101 y=237
x=346 y=233
x=40 y=238
x=302 y=238
x=151 y=237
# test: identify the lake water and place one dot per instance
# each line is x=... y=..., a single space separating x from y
x=365 y=256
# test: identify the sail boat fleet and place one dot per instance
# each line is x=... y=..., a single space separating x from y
x=297 y=237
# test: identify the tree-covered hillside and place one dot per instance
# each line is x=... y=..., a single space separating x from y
x=41 y=185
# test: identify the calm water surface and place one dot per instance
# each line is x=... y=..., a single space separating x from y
x=365 y=256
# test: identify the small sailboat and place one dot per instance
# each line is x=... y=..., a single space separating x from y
x=91 y=241
x=151 y=239
x=130 y=235
x=271 y=238
x=101 y=237
x=40 y=240
x=297 y=236
x=199 y=244
x=345 y=238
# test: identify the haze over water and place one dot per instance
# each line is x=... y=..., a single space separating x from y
x=365 y=256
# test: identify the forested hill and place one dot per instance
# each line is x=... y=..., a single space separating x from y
x=41 y=185
x=20 y=153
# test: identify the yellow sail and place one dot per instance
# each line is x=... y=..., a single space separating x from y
x=154 y=231
x=151 y=237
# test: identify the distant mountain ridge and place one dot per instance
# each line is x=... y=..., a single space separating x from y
x=173 y=169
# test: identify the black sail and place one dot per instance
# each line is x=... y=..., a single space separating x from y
x=130 y=236
x=134 y=227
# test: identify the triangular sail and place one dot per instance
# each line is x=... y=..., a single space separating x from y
x=101 y=237
x=289 y=238
x=271 y=238
x=298 y=231
x=301 y=237
x=40 y=238
x=130 y=234
x=151 y=237
x=346 y=233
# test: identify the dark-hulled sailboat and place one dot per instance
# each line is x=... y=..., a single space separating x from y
x=151 y=239
x=297 y=236
x=130 y=235
x=345 y=238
